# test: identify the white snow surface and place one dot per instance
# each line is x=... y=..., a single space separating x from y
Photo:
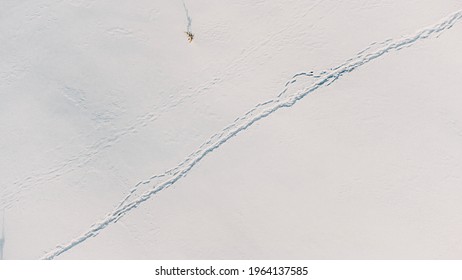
x=315 y=129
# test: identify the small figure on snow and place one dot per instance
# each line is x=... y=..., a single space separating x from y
x=190 y=36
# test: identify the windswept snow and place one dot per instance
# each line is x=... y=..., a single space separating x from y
x=108 y=93
x=257 y=113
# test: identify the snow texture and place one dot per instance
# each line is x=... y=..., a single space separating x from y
x=98 y=94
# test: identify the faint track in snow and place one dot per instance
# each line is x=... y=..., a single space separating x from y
x=2 y=233
x=260 y=111
x=188 y=18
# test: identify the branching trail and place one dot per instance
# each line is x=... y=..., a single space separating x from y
x=260 y=111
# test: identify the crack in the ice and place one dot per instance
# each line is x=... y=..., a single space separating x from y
x=260 y=111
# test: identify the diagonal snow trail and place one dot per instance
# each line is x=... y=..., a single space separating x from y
x=309 y=77
x=260 y=111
